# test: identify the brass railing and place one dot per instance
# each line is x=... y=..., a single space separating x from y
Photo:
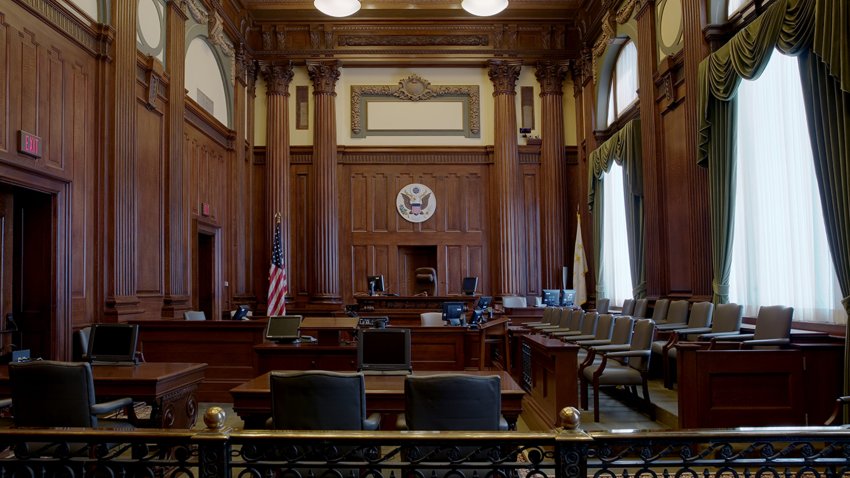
x=218 y=452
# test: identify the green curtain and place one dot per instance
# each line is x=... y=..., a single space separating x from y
x=624 y=147
x=818 y=33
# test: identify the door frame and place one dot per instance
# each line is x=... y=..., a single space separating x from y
x=214 y=230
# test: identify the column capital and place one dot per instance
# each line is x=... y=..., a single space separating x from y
x=551 y=76
x=277 y=76
x=324 y=75
x=504 y=75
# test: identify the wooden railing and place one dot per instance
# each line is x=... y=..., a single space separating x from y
x=217 y=452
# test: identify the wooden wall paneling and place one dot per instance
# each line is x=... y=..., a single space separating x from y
x=83 y=219
x=300 y=223
x=454 y=270
x=150 y=212
x=261 y=249
x=7 y=224
x=382 y=205
x=358 y=201
x=5 y=71
x=531 y=235
x=677 y=224
x=52 y=114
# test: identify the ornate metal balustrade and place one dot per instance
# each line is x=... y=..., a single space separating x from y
x=222 y=453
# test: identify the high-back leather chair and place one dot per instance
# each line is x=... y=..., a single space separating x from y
x=641 y=308
x=453 y=402
x=587 y=326
x=320 y=400
x=604 y=327
x=47 y=393
x=659 y=311
x=426 y=281
x=551 y=317
x=632 y=373
x=676 y=317
x=81 y=344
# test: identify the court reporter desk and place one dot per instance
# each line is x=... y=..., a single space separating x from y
x=384 y=394
x=431 y=348
x=168 y=387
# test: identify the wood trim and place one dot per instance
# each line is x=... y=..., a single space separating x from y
x=66 y=23
x=207 y=124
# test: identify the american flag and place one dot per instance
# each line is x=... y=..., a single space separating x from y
x=277 y=277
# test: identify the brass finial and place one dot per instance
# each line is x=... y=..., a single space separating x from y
x=570 y=418
x=214 y=418
x=277 y=217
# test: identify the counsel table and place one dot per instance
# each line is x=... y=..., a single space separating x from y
x=384 y=394
x=168 y=386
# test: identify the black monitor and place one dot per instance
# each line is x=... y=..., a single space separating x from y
x=383 y=349
x=568 y=297
x=551 y=297
x=469 y=285
x=453 y=313
x=484 y=301
x=375 y=283
x=241 y=313
x=283 y=328
x=113 y=342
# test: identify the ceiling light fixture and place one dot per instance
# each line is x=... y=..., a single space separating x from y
x=484 y=8
x=337 y=8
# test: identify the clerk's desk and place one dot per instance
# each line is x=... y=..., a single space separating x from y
x=384 y=394
x=169 y=387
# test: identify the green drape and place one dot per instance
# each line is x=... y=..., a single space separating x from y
x=624 y=147
x=818 y=32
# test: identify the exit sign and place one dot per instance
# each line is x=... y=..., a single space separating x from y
x=29 y=144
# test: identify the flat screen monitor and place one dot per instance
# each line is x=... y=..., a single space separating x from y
x=484 y=301
x=383 y=349
x=568 y=297
x=283 y=328
x=375 y=283
x=241 y=313
x=551 y=297
x=113 y=343
x=453 y=313
x=469 y=285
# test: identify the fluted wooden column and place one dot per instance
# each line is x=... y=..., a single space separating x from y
x=695 y=50
x=325 y=286
x=553 y=233
x=176 y=299
x=509 y=229
x=240 y=275
x=120 y=164
x=277 y=76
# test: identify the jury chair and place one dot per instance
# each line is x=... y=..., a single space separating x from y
x=641 y=308
x=676 y=317
x=633 y=372
x=587 y=326
x=659 y=311
x=431 y=319
x=773 y=329
x=571 y=319
x=604 y=325
x=621 y=339
x=725 y=320
x=700 y=319
x=628 y=307
x=602 y=305
x=551 y=316
x=47 y=393
x=452 y=402
x=320 y=400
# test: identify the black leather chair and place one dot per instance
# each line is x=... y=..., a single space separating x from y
x=47 y=393
x=452 y=402
x=81 y=344
x=320 y=400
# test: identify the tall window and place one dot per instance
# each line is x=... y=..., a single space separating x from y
x=780 y=254
x=616 y=275
x=622 y=93
x=733 y=6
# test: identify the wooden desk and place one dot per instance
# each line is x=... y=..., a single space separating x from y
x=168 y=387
x=549 y=374
x=329 y=330
x=405 y=310
x=305 y=356
x=384 y=394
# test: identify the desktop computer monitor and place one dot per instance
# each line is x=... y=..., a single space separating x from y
x=469 y=285
x=551 y=297
x=383 y=349
x=375 y=283
x=113 y=343
x=241 y=313
x=484 y=301
x=284 y=328
x=568 y=297
x=453 y=313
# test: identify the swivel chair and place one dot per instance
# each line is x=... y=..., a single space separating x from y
x=452 y=402
x=426 y=281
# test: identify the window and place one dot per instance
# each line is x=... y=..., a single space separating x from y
x=615 y=275
x=733 y=6
x=780 y=254
x=622 y=93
